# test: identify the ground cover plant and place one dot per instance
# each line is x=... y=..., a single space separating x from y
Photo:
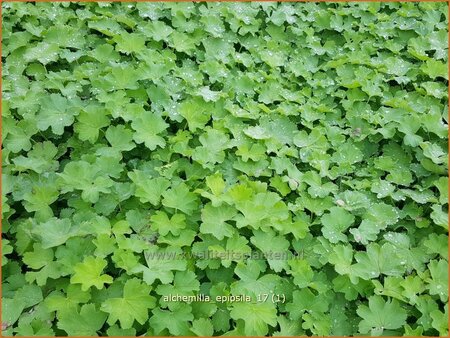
x=291 y=155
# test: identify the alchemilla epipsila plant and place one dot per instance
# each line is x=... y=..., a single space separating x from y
x=224 y=169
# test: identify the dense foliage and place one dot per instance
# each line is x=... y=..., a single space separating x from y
x=137 y=137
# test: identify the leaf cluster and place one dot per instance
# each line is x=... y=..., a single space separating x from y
x=164 y=129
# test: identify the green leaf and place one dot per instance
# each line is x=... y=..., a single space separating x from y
x=434 y=69
x=214 y=143
x=380 y=315
x=433 y=152
x=39 y=257
x=129 y=42
x=11 y=310
x=180 y=198
x=120 y=138
x=88 y=273
x=39 y=159
x=24 y=297
x=257 y=317
x=115 y=330
x=160 y=264
x=148 y=189
x=335 y=223
x=185 y=284
x=105 y=26
x=438 y=283
x=275 y=247
x=86 y=322
x=81 y=175
x=157 y=30
x=176 y=321
x=440 y=321
x=196 y=112
x=56 y=112
x=133 y=305
x=6 y=249
x=301 y=271
x=90 y=120
x=54 y=232
x=147 y=129
x=214 y=220
x=164 y=225
x=43 y=52
x=202 y=327
x=377 y=260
